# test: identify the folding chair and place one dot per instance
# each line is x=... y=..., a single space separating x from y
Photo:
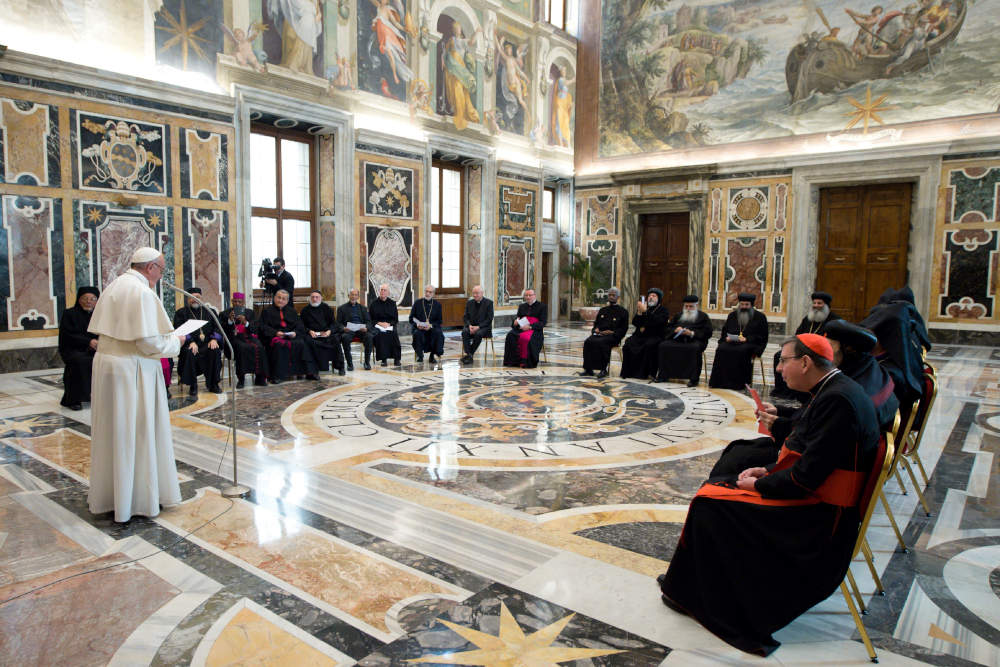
x=905 y=442
x=917 y=431
x=897 y=436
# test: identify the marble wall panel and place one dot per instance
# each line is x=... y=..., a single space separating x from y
x=388 y=191
x=780 y=207
x=602 y=215
x=120 y=154
x=516 y=270
x=607 y=265
x=475 y=197
x=327 y=183
x=746 y=267
x=748 y=209
x=327 y=259
x=777 y=273
x=35 y=286
x=973 y=194
x=206 y=246
x=969 y=273
x=518 y=208
x=473 y=258
x=203 y=165
x=29 y=143
x=389 y=261
x=717 y=206
x=714 y=257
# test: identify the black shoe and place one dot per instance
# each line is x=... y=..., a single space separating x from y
x=193 y=391
x=77 y=407
x=260 y=381
x=602 y=375
x=216 y=389
x=467 y=359
x=420 y=359
x=385 y=362
x=693 y=383
x=586 y=373
x=276 y=380
x=659 y=380
x=660 y=578
x=432 y=359
x=241 y=384
x=397 y=362
x=168 y=394
x=368 y=366
x=670 y=603
x=313 y=377
x=341 y=371
x=350 y=367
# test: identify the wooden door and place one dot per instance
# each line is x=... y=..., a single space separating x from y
x=664 y=261
x=544 y=295
x=864 y=237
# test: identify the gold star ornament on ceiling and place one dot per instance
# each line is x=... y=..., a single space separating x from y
x=513 y=648
x=183 y=34
x=868 y=110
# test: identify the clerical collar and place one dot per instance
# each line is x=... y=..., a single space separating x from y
x=822 y=382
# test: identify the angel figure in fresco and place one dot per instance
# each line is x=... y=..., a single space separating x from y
x=420 y=98
x=339 y=75
x=562 y=110
x=459 y=67
x=243 y=47
x=392 y=27
x=516 y=82
x=300 y=22
x=491 y=121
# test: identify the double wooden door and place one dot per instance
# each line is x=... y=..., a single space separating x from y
x=864 y=237
x=664 y=259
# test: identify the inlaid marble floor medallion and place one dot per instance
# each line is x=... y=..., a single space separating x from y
x=518 y=414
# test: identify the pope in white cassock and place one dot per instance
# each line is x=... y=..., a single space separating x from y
x=132 y=468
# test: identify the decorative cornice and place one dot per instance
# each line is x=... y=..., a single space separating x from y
x=670 y=174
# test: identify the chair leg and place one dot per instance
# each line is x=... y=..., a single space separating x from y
x=899 y=479
x=870 y=560
x=858 y=623
x=920 y=464
x=857 y=592
x=916 y=485
x=892 y=521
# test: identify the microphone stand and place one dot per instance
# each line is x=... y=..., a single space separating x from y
x=234 y=490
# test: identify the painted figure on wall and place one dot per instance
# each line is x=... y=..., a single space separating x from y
x=243 y=47
x=457 y=73
x=299 y=22
x=339 y=75
x=384 y=28
x=512 y=84
x=561 y=114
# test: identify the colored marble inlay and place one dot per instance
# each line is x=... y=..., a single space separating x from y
x=249 y=640
x=27 y=128
x=517 y=208
x=475 y=197
x=30 y=225
x=746 y=265
x=203 y=159
x=967 y=289
x=975 y=198
x=602 y=213
x=207 y=231
x=390 y=263
x=65 y=448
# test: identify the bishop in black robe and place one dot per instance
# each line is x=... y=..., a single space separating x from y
x=477 y=323
x=687 y=334
x=803 y=512
x=249 y=355
x=428 y=311
x=201 y=353
x=733 y=365
x=523 y=346
x=356 y=313
x=607 y=333
x=322 y=334
x=280 y=329
x=639 y=351
x=385 y=313
x=77 y=348
x=818 y=317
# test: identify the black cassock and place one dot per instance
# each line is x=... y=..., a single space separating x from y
x=249 y=355
x=639 y=351
x=358 y=314
x=387 y=344
x=747 y=564
x=430 y=340
x=74 y=348
x=597 y=348
x=781 y=389
x=679 y=356
x=733 y=365
x=324 y=350
x=511 y=346
x=285 y=356
x=206 y=362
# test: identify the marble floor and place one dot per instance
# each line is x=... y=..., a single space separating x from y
x=445 y=514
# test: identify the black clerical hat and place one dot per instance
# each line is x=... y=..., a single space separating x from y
x=827 y=298
x=747 y=296
x=195 y=290
x=691 y=298
x=87 y=289
x=657 y=291
x=850 y=335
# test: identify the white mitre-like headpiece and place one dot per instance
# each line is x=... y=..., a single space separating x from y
x=143 y=255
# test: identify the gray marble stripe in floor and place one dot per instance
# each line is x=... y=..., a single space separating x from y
x=485 y=551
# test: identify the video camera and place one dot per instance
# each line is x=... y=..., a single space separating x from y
x=266 y=271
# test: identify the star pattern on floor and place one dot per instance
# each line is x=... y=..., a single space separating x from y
x=23 y=426
x=512 y=648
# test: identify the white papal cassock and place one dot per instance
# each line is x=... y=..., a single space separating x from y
x=132 y=469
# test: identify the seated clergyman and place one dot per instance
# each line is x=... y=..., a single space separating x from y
x=815 y=321
x=607 y=333
x=743 y=339
x=523 y=345
x=687 y=335
x=77 y=347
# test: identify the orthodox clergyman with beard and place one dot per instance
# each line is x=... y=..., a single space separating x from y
x=609 y=329
x=679 y=356
x=426 y=316
x=639 y=351
x=322 y=334
x=816 y=319
x=743 y=339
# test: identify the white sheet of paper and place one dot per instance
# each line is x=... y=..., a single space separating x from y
x=189 y=327
x=420 y=323
x=733 y=337
x=383 y=328
x=354 y=326
x=523 y=323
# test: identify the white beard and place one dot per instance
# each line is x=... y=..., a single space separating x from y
x=688 y=316
x=743 y=317
x=817 y=316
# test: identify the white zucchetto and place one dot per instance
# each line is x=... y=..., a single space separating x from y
x=143 y=255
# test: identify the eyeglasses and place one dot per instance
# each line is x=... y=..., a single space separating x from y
x=782 y=360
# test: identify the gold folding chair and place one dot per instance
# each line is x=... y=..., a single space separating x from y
x=904 y=440
x=917 y=432
x=897 y=436
x=876 y=479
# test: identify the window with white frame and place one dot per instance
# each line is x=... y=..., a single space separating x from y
x=447 y=185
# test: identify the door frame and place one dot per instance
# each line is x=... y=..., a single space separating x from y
x=695 y=207
x=923 y=172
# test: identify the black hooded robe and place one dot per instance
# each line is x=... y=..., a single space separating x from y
x=679 y=356
x=733 y=365
x=74 y=348
x=639 y=350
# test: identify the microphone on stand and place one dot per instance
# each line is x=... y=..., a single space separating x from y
x=236 y=489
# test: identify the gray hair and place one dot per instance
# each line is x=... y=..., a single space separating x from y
x=381 y=286
x=433 y=289
x=141 y=266
x=282 y=291
x=615 y=290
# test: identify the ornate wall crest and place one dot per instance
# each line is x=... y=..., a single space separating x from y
x=121 y=155
x=389 y=191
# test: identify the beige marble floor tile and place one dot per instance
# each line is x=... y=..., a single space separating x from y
x=252 y=641
x=349 y=580
x=66 y=449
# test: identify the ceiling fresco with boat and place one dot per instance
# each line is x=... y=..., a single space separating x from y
x=679 y=76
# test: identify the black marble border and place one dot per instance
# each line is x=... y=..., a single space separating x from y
x=964 y=337
x=955 y=157
x=395 y=152
x=517 y=177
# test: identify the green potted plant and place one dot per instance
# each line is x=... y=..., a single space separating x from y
x=589 y=274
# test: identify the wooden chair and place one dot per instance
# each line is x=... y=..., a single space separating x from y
x=876 y=480
x=488 y=340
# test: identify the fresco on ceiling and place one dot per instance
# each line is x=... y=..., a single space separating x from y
x=456 y=72
x=188 y=35
x=386 y=32
x=292 y=33
x=682 y=74
x=513 y=85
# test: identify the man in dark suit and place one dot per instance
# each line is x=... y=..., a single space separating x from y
x=282 y=279
x=426 y=317
x=355 y=314
x=478 y=321
x=609 y=329
x=524 y=344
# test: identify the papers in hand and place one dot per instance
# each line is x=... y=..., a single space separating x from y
x=354 y=326
x=419 y=323
x=381 y=328
x=760 y=406
x=679 y=333
x=733 y=338
x=523 y=323
x=189 y=327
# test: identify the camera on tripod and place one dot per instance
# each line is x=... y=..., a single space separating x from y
x=266 y=271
